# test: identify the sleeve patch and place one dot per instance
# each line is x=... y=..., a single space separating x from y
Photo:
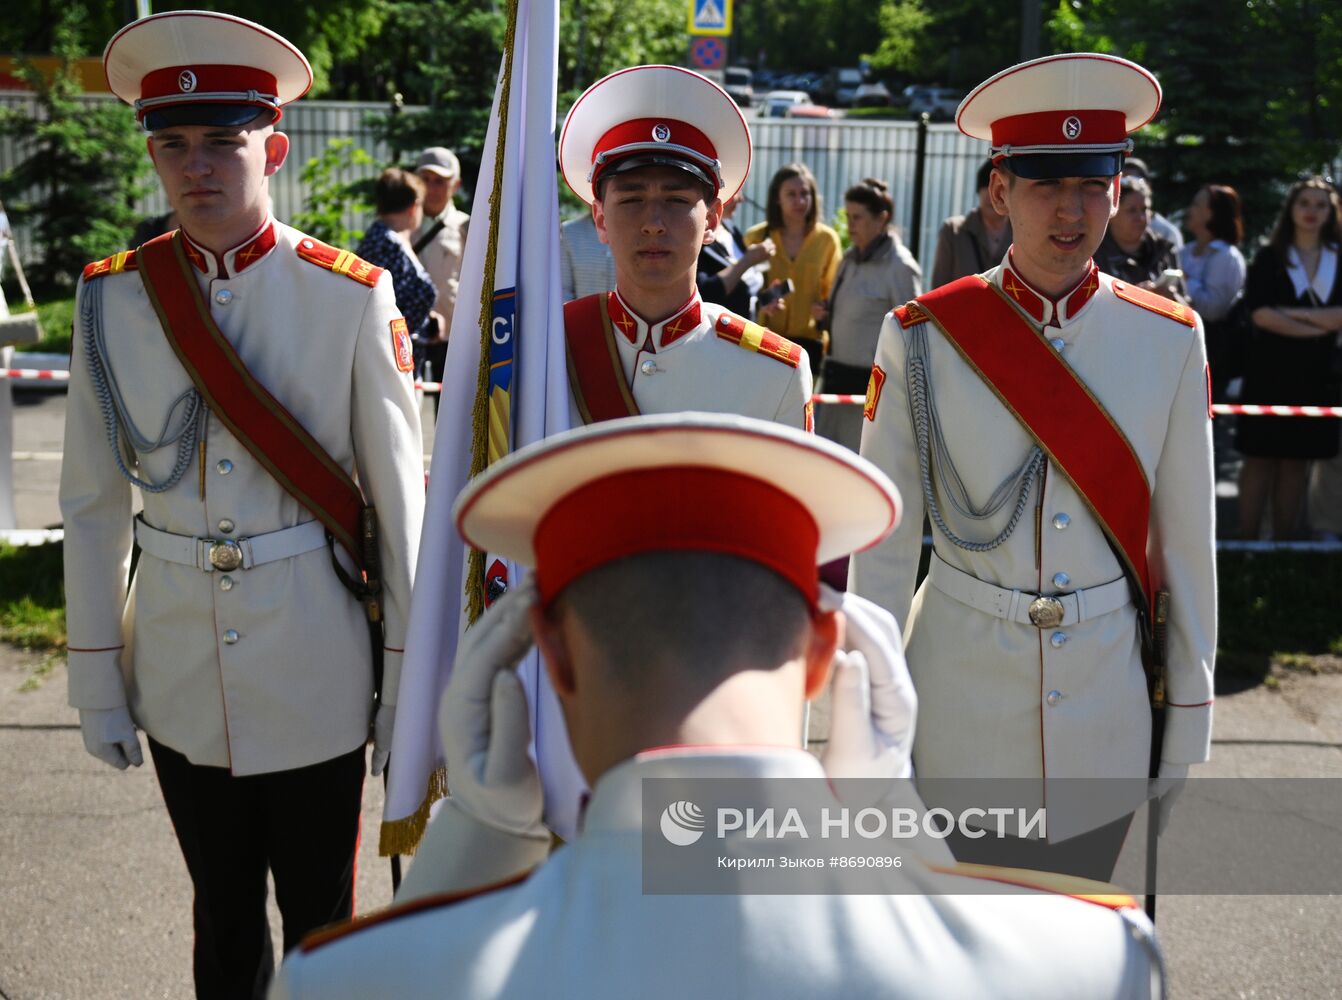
x=809 y=416
x=910 y=314
x=874 y=385
x=1158 y=304
x=338 y=261
x=400 y=345
x=754 y=337
x=1207 y=374
x=115 y=264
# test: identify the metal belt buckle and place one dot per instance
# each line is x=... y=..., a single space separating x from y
x=1046 y=612
x=227 y=555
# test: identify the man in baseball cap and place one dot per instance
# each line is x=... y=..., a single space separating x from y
x=238 y=374
x=440 y=243
x=1053 y=423
x=655 y=151
x=676 y=604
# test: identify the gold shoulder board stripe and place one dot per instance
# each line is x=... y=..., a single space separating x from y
x=115 y=264
x=338 y=261
x=1158 y=304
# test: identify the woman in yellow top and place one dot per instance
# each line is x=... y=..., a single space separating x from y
x=806 y=250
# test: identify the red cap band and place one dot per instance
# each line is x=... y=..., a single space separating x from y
x=671 y=131
x=208 y=79
x=676 y=508
x=1055 y=128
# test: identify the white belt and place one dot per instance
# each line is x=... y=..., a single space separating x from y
x=1041 y=611
x=228 y=554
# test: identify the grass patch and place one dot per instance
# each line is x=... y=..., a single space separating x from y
x=57 y=319
x=32 y=597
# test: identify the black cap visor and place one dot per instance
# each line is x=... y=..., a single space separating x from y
x=655 y=160
x=203 y=113
x=1043 y=166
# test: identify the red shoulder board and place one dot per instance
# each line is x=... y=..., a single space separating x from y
x=115 y=264
x=910 y=313
x=754 y=337
x=337 y=932
x=339 y=261
x=1152 y=302
x=1087 y=890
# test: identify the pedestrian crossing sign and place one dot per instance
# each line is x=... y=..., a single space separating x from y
x=710 y=17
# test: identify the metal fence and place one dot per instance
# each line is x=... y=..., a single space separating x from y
x=310 y=125
x=840 y=153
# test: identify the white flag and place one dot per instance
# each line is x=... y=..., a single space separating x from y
x=527 y=399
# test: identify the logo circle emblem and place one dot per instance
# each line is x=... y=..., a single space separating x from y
x=661 y=132
x=186 y=81
x=1071 y=128
x=682 y=823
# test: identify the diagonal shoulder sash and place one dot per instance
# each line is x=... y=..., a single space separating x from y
x=595 y=371
x=252 y=415
x=1055 y=407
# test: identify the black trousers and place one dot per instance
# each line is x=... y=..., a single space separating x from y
x=302 y=825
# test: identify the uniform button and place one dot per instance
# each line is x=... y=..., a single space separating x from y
x=1057 y=639
x=648 y=368
x=226 y=526
x=223 y=296
x=1058 y=343
x=1053 y=697
x=231 y=636
x=1061 y=580
x=226 y=583
x=1061 y=521
x=224 y=467
x=307 y=244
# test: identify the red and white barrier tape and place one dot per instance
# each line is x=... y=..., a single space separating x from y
x=43 y=374
x=1224 y=409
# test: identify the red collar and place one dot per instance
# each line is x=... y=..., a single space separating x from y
x=234 y=260
x=664 y=333
x=1042 y=308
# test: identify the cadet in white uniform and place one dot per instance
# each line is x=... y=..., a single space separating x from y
x=698 y=687
x=235 y=647
x=1024 y=640
x=656 y=151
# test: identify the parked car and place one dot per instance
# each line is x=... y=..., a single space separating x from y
x=736 y=81
x=840 y=84
x=873 y=95
x=811 y=111
x=938 y=103
x=777 y=102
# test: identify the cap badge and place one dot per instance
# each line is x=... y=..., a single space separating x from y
x=186 y=81
x=1071 y=128
x=661 y=132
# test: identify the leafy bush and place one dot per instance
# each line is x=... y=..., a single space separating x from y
x=331 y=197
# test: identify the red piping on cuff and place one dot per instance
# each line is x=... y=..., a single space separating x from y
x=393 y=649
x=1201 y=704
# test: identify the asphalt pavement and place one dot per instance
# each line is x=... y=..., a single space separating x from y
x=95 y=899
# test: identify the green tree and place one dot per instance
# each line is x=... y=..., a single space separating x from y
x=84 y=166
x=332 y=195
x=1251 y=90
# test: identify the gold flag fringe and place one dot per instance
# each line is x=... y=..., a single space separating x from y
x=402 y=836
x=475 y=566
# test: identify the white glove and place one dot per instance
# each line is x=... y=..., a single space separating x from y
x=874 y=705
x=109 y=734
x=485 y=722
x=383 y=723
x=1167 y=786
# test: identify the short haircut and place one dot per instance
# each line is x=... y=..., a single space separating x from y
x=1226 y=222
x=1134 y=185
x=774 y=201
x=873 y=195
x=985 y=171
x=396 y=190
x=703 y=613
